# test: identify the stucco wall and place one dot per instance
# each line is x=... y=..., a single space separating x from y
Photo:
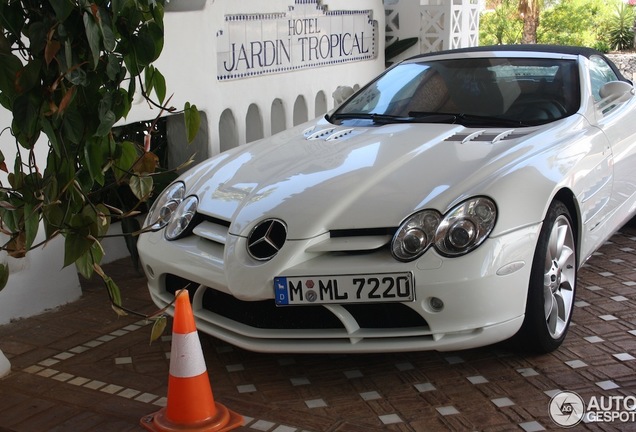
x=189 y=63
x=238 y=111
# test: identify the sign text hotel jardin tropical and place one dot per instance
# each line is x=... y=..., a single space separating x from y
x=306 y=36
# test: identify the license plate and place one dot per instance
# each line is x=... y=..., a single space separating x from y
x=384 y=287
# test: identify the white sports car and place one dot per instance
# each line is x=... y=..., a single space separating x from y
x=446 y=205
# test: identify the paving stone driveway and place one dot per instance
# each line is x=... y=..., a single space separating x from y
x=80 y=368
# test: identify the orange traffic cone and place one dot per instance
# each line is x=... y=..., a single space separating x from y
x=191 y=405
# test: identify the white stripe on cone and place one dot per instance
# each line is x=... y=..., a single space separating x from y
x=186 y=356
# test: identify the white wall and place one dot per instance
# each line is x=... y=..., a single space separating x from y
x=189 y=64
x=38 y=282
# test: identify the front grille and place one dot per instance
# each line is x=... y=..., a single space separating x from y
x=212 y=229
x=175 y=283
x=385 y=315
x=362 y=232
x=265 y=314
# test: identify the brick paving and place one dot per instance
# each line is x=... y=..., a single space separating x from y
x=81 y=368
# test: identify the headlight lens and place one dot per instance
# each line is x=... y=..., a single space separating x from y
x=458 y=232
x=181 y=218
x=415 y=235
x=164 y=207
x=466 y=226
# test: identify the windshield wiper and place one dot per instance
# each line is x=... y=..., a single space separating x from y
x=431 y=117
x=472 y=119
x=416 y=117
x=468 y=119
x=374 y=117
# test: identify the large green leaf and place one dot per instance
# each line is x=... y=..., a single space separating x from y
x=141 y=186
x=103 y=220
x=31 y=224
x=147 y=44
x=62 y=8
x=95 y=157
x=36 y=32
x=159 y=84
x=75 y=245
x=26 y=119
x=73 y=125
x=12 y=19
x=113 y=68
x=4 y=275
x=158 y=327
x=9 y=67
x=124 y=163
x=114 y=292
x=28 y=76
x=93 y=34
x=106 y=122
x=53 y=218
x=51 y=133
x=85 y=264
x=108 y=38
x=192 y=121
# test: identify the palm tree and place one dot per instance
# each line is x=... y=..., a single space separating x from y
x=529 y=11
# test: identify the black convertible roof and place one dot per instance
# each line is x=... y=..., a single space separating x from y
x=557 y=49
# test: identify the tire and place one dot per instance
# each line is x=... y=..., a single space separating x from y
x=552 y=286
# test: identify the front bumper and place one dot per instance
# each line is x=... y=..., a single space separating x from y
x=483 y=296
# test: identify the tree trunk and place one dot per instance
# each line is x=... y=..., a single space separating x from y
x=529 y=11
x=530 y=30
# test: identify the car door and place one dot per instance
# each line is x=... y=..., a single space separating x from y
x=618 y=122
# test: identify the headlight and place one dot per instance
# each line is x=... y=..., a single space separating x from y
x=181 y=218
x=458 y=232
x=162 y=210
x=466 y=226
x=415 y=235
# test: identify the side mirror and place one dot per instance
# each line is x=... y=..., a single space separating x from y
x=617 y=91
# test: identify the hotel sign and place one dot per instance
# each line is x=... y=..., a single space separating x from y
x=306 y=36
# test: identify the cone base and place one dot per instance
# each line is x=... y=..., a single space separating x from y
x=224 y=420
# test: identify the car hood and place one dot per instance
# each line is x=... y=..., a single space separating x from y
x=325 y=177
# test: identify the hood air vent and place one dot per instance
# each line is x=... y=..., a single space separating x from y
x=327 y=134
x=483 y=136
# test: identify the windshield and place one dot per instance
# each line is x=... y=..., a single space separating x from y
x=471 y=91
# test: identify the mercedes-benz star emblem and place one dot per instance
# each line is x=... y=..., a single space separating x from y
x=266 y=239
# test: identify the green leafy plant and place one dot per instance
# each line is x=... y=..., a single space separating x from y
x=620 y=28
x=572 y=22
x=501 y=25
x=68 y=72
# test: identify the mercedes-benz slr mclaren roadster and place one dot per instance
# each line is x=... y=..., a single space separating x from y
x=446 y=205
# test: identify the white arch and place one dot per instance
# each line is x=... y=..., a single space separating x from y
x=253 y=124
x=300 y=110
x=320 y=104
x=228 y=132
x=278 y=116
